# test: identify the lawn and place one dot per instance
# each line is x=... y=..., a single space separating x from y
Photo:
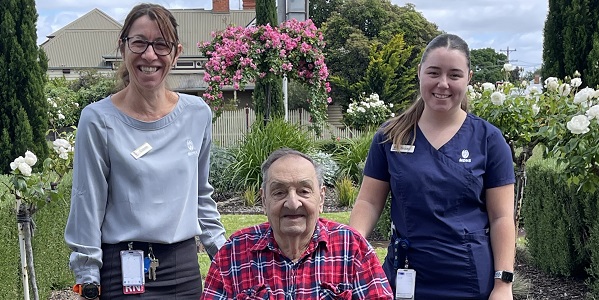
x=233 y=223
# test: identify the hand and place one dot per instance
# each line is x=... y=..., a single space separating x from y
x=502 y=291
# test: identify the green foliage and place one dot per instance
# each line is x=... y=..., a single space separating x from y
x=346 y=191
x=321 y=10
x=328 y=164
x=268 y=98
x=569 y=30
x=221 y=160
x=487 y=64
x=51 y=253
x=351 y=156
x=391 y=73
x=23 y=116
x=593 y=61
x=63 y=108
x=268 y=91
x=250 y=195
x=259 y=143
x=367 y=113
x=92 y=87
x=562 y=228
x=297 y=95
x=359 y=24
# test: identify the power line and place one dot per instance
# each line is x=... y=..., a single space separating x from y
x=507 y=51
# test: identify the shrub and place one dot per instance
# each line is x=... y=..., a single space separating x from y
x=250 y=195
x=368 y=112
x=259 y=143
x=351 y=156
x=221 y=160
x=329 y=166
x=346 y=191
x=63 y=109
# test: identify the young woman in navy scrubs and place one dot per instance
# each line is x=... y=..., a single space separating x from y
x=451 y=180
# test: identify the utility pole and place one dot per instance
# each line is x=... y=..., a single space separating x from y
x=507 y=51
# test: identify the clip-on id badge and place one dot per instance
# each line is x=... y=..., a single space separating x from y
x=405 y=283
x=132 y=263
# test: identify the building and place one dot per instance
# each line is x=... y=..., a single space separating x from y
x=90 y=43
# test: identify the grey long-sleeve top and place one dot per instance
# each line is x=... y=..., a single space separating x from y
x=161 y=197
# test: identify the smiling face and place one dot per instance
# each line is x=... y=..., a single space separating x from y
x=147 y=70
x=293 y=198
x=444 y=77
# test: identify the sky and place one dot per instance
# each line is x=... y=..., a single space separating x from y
x=513 y=25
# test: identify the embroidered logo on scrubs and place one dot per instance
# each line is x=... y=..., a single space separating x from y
x=191 y=149
x=465 y=155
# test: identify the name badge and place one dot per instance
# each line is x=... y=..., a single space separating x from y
x=405 y=284
x=143 y=149
x=132 y=266
x=403 y=148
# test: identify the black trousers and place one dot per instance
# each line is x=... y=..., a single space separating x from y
x=177 y=276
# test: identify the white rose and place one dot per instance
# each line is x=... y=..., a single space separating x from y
x=564 y=89
x=576 y=82
x=497 y=98
x=578 y=124
x=593 y=112
x=30 y=158
x=25 y=169
x=534 y=90
x=583 y=95
x=508 y=67
x=487 y=86
x=60 y=116
x=535 y=109
x=551 y=83
x=64 y=155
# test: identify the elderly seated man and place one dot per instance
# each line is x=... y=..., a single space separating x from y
x=296 y=254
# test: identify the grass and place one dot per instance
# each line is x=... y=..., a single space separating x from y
x=233 y=223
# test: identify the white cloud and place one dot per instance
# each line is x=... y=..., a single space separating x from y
x=515 y=24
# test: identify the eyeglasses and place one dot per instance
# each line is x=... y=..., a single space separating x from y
x=139 y=46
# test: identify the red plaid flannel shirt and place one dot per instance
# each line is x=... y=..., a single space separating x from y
x=338 y=264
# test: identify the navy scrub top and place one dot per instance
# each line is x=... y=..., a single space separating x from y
x=438 y=205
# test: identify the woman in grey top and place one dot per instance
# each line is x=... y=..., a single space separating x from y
x=140 y=182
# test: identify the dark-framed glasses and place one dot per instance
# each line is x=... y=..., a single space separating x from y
x=139 y=45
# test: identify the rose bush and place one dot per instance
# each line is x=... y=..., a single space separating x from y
x=563 y=117
x=368 y=112
x=32 y=190
x=238 y=56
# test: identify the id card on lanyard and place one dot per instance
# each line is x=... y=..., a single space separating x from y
x=132 y=267
x=405 y=284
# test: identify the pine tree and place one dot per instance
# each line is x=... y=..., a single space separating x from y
x=568 y=39
x=23 y=113
x=268 y=91
x=553 y=41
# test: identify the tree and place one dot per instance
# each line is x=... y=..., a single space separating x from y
x=321 y=10
x=23 y=113
x=356 y=26
x=268 y=91
x=486 y=65
x=391 y=73
x=568 y=39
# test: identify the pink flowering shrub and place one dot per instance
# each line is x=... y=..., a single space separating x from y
x=238 y=56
